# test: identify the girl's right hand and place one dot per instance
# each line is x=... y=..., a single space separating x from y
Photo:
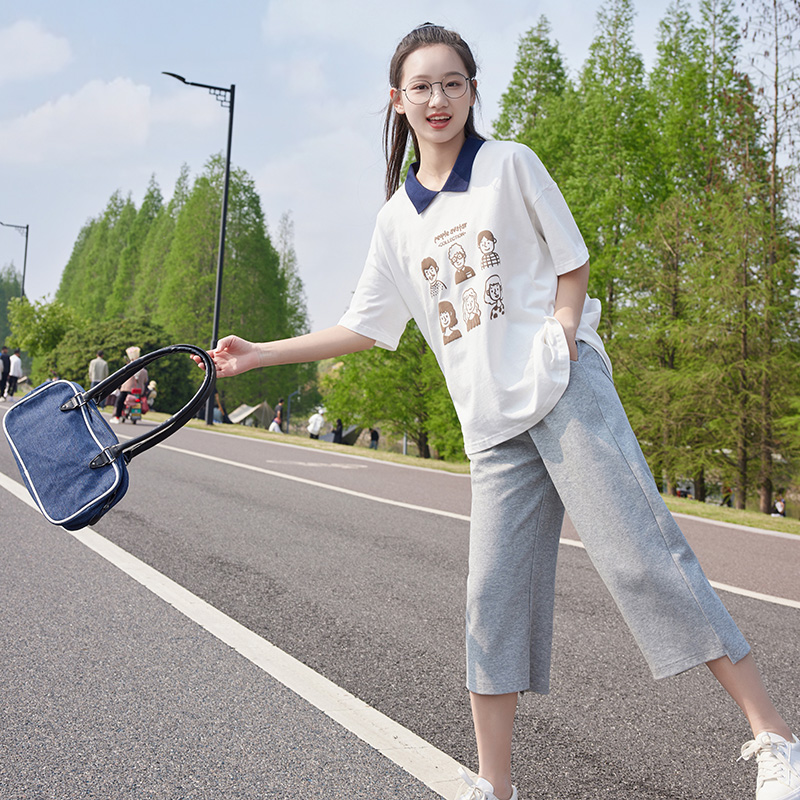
x=232 y=356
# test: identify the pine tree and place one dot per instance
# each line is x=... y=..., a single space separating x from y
x=156 y=248
x=610 y=183
x=121 y=299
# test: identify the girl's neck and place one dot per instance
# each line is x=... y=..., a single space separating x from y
x=436 y=162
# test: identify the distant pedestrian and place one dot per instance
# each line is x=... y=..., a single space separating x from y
x=137 y=382
x=5 y=368
x=276 y=426
x=337 y=432
x=727 y=496
x=374 y=436
x=98 y=369
x=152 y=392
x=315 y=423
x=14 y=373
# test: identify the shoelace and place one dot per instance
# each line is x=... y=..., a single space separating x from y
x=773 y=763
x=475 y=792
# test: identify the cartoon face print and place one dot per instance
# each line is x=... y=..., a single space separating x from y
x=458 y=258
x=493 y=295
x=470 y=309
x=486 y=243
x=448 y=322
x=430 y=269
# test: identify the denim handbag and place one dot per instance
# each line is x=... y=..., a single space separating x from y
x=69 y=457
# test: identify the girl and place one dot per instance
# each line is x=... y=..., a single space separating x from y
x=551 y=432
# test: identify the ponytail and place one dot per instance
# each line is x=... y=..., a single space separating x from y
x=396 y=130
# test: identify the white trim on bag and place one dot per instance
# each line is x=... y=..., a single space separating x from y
x=117 y=471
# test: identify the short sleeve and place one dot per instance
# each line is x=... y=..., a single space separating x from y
x=551 y=215
x=377 y=310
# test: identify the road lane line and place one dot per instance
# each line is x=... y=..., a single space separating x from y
x=318 y=484
x=767 y=598
x=725 y=587
x=419 y=758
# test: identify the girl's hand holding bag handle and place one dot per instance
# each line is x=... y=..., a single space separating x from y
x=70 y=459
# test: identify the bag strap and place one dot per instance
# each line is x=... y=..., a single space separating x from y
x=147 y=440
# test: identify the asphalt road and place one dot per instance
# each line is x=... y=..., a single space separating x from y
x=106 y=691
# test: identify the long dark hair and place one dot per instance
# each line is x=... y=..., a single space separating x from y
x=396 y=130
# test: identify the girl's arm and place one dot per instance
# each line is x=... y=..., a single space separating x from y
x=570 y=297
x=233 y=355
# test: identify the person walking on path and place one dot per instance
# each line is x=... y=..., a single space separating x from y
x=5 y=368
x=98 y=369
x=14 y=374
x=137 y=381
x=543 y=426
x=315 y=423
x=276 y=426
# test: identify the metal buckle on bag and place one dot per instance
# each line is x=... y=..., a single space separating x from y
x=107 y=456
x=74 y=402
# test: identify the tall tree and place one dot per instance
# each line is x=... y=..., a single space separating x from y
x=156 y=247
x=774 y=29
x=403 y=391
x=10 y=287
x=88 y=282
x=120 y=301
x=539 y=77
x=609 y=187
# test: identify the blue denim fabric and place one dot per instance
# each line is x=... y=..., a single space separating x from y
x=53 y=450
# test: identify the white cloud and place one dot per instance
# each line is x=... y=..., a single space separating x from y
x=28 y=51
x=187 y=106
x=301 y=76
x=99 y=120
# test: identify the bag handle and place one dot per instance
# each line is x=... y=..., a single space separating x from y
x=147 y=440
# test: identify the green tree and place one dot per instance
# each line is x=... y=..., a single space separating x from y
x=612 y=154
x=88 y=281
x=402 y=391
x=176 y=375
x=10 y=287
x=129 y=271
x=37 y=328
x=658 y=368
x=156 y=249
x=539 y=77
x=774 y=29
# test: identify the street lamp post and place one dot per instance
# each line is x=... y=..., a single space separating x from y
x=225 y=98
x=23 y=230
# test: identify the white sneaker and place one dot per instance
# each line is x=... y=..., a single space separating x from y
x=114 y=420
x=479 y=789
x=778 y=766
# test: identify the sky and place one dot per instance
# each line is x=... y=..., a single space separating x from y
x=86 y=111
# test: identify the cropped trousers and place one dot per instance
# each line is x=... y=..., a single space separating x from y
x=582 y=457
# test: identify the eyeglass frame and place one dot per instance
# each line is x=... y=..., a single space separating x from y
x=431 y=84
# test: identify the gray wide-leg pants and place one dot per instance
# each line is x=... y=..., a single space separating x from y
x=583 y=456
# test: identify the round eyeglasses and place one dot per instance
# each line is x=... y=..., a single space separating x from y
x=454 y=85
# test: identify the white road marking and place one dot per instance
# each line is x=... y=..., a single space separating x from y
x=767 y=598
x=725 y=587
x=318 y=484
x=419 y=758
x=325 y=464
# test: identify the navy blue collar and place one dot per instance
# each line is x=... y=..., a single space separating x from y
x=457 y=180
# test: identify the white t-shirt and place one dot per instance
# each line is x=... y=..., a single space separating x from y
x=476 y=265
x=16 y=366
